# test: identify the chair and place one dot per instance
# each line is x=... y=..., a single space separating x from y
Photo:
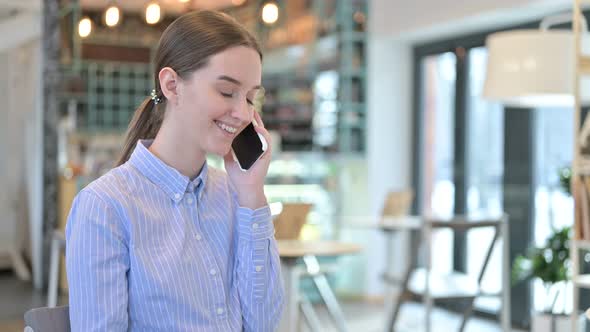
x=397 y=203
x=58 y=243
x=55 y=319
x=429 y=286
x=289 y=222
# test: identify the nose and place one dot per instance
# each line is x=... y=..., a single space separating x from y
x=242 y=111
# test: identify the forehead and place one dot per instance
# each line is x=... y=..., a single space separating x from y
x=241 y=63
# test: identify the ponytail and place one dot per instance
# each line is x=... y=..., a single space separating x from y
x=145 y=124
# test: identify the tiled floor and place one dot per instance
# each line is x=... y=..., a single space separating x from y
x=16 y=297
x=372 y=318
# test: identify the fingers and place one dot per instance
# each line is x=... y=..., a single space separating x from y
x=260 y=129
x=258 y=119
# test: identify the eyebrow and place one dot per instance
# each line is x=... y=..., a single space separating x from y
x=234 y=81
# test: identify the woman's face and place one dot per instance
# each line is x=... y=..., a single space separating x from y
x=215 y=102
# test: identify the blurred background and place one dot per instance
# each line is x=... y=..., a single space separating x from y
x=364 y=98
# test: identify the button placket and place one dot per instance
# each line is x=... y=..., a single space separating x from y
x=214 y=273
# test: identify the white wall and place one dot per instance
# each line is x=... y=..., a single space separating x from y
x=21 y=131
x=395 y=25
x=19 y=109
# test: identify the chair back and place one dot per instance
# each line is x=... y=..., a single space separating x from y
x=47 y=319
x=289 y=222
x=397 y=203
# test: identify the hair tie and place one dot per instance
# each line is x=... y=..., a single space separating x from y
x=155 y=98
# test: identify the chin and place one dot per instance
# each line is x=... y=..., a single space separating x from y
x=220 y=150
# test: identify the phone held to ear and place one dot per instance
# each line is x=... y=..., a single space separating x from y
x=248 y=147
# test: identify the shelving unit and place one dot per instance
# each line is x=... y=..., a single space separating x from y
x=581 y=163
x=106 y=94
x=329 y=124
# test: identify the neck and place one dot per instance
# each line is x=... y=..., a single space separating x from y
x=182 y=157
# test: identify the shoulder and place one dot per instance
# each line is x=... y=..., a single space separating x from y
x=101 y=203
x=110 y=190
x=114 y=183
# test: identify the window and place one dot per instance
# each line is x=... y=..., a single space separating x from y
x=438 y=150
x=485 y=167
x=553 y=208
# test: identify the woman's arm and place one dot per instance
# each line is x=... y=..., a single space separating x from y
x=258 y=271
x=257 y=264
x=97 y=260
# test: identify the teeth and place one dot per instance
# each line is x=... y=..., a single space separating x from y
x=227 y=128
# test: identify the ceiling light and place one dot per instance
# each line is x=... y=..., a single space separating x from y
x=84 y=27
x=112 y=16
x=153 y=13
x=270 y=13
x=533 y=68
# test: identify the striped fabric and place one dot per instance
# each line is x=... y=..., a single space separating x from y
x=150 y=250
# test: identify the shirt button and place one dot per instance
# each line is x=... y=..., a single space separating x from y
x=177 y=196
x=220 y=311
x=189 y=200
x=255 y=225
x=258 y=268
x=198 y=237
x=212 y=272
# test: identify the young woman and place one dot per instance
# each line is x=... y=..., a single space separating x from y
x=163 y=242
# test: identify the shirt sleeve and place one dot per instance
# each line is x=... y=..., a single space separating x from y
x=258 y=271
x=97 y=261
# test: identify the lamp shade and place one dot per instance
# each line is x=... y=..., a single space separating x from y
x=533 y=68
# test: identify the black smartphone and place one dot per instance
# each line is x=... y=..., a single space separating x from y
x=248 y=147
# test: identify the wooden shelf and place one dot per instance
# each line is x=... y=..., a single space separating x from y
x=582 y=281
x=584 y=65
x=582 y=244
x=584 y=166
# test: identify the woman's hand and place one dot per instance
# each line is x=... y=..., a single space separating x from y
x=250 y=184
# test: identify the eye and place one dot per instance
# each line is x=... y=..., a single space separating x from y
x=250 y=102
x=227 y=95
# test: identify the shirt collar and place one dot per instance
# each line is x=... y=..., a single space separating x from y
x=171 y=181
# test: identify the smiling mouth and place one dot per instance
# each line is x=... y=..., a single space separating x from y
x=226 y=128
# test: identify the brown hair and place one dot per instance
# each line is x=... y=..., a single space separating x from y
x=185 y=46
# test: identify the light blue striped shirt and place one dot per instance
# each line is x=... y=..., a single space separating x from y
x=147 y=249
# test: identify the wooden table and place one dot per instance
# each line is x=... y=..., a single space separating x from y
x=292 y=250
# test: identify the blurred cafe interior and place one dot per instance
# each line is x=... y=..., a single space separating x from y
x=430 y=159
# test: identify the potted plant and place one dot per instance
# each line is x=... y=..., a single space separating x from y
x=549 y=263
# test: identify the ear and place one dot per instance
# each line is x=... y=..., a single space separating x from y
x=169 y=80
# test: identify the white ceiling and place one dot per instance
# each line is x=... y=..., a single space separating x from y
x=173 y=6
x=21 y=5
